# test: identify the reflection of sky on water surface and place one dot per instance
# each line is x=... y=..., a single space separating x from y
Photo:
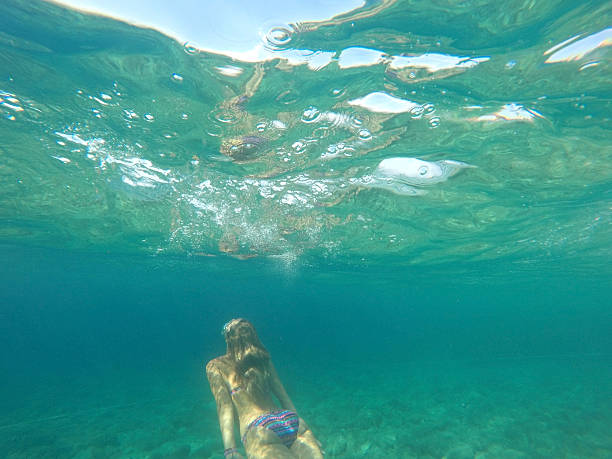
x=230 y=27
x=218 y=156
x=571 y=50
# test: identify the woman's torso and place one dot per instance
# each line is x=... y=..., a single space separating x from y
x=250 y=402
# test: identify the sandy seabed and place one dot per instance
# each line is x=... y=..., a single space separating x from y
x=506 y=408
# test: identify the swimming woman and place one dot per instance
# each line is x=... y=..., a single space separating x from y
x=243 y=382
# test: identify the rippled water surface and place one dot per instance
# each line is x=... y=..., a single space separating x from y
x=411 y=201
x=117 y=138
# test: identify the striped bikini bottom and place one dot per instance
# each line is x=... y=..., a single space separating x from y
x=283 y=423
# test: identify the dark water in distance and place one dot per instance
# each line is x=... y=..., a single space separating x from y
x=96 y=308
x=151 y=192
x=102 y=354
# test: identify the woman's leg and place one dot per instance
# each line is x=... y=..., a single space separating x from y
x=306 y=446
x=262 y=443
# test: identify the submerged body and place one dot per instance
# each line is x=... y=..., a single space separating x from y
x=245 y=382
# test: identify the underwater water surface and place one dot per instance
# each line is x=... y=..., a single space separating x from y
x=411 y=201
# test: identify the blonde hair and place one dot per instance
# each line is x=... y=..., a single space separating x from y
x=250 y=357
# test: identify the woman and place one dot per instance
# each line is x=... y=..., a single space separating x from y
x=245 y=379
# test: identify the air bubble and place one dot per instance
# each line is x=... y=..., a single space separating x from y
x=434 y=121
x=225 y=116
x=176 y=77
x=428 y=109
x=116 y=89
x=417 y=112
x=149 y=117
x=412 y=75
x=130 y=114
x=364 y=134
x=190 y=49
x=279 y=37
x=261 y=126
x=311 y=115
x=299 y=146
x=184 y=116
x=510 y=64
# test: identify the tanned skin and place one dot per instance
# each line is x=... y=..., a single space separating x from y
x=253 y=400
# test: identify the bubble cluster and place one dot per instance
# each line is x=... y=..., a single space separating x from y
x=417 y=111
x=337 y=150
x=11 y=102
x=311 y=115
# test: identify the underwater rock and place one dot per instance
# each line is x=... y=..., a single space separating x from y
x=243 y=149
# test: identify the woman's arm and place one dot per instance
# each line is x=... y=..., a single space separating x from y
x=279 y=390
x=225 y=409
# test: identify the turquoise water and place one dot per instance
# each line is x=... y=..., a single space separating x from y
x=452 y=303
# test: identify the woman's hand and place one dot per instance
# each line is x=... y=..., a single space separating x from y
x=232 y=453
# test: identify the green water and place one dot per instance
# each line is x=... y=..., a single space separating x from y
x=151 y=191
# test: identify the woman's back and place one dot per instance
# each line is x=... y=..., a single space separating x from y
x=244 y=382
x=251 y=394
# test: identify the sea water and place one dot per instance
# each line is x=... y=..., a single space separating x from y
x=454 y=303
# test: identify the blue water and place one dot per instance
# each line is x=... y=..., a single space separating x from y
x=457 y=305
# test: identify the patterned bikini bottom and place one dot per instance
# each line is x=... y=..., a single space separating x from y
x=283 y=423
